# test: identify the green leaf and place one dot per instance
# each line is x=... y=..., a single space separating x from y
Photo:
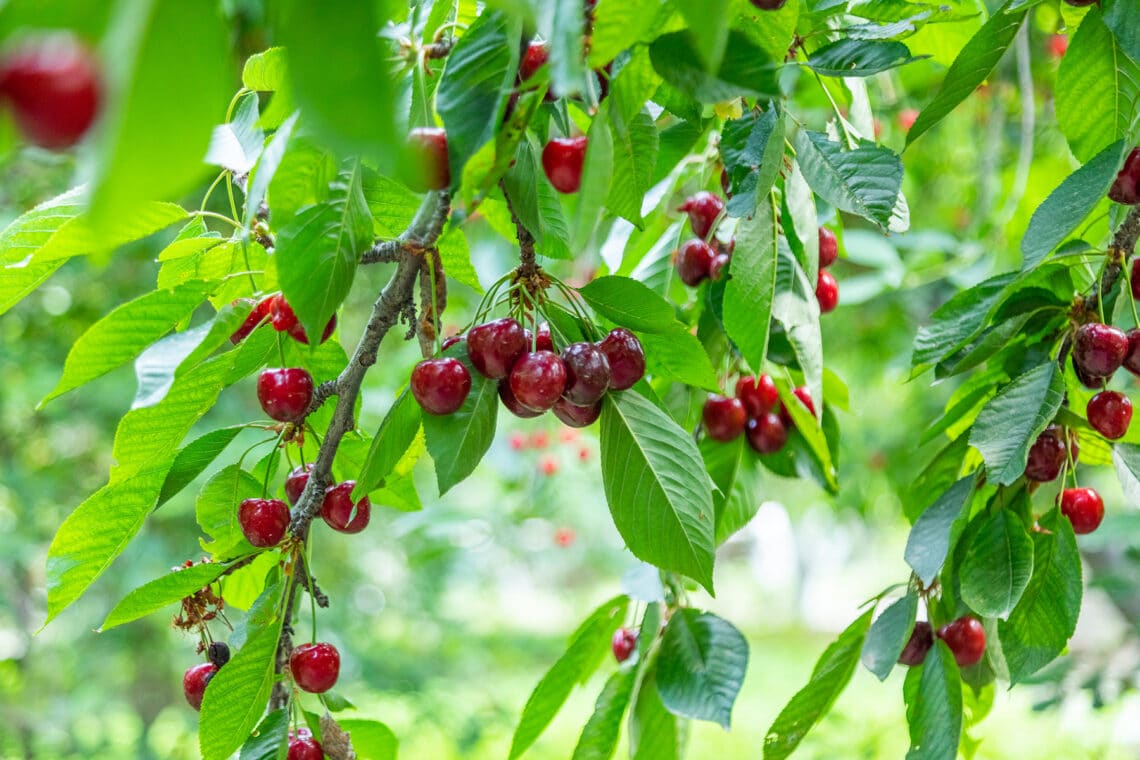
x=269 y=742
x=829 y=678
x=24 y=237
x=617 y=26
x=567 y=65
x=1097 y=87
x=599 y=737
x=1041 y=624
x=751 y=288
x=859 y=58
x=997 y=565
x=734 y=500
x=635 y=146
x=708 y=24
x=933 y=693
x=629 y=303
x=265 y=71
x=588 y=204
x=1126 y=460
x=657 y=489
x=956 y=322
x=888 y=635
x=654 y=732
x=193 y=458
x=217 y=510
x=972 y=66
x=864 y=181
x=1070 y=204
x=302 y=179
x=679 y=356
x=810 y=428
x=124 y=333
x=701 y=666
x=752 y=149
x=929 y=540
x=800 y=222
x=86 y=235
x=745 y=70
x=395 y=436
x=160 y=592
x=371 y=739
x=266 y=169
x=536 y=203
x=587 y=647
x=237 y=144
x=457 y=442
x=1120 y=16
x=1010 y=422
x=797 y=309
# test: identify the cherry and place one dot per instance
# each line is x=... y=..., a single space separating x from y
x=562 y=160
x=285 y=394
x=587 y=373
x=538 y=379
x=577 y=416
x=451 y=341
x=1081 y=3
x=966 y=638
x=920 y=641
x=494 y=347
x=296 y=482
x=285 y=320
x=826 y=291
x=304 y=747
x=544 y=341
x=804 y=395
x=218 y=653
x=1047 y=456
x=512 y=404
x=1095 y=382
x=768 y=5
x=716 y=268
x=1099 y=349
x=1057 y=46
x=758 y=394
x=427 y=147
x=260 y=312
x=724 y=417
x=1110 y=413
x=694 y=261
x=440 y=385
x=533 y=59
x=725 y=183
x=623 y=643
x=263 y=521
x=1134 y=280
x=703 y=209
x=767 y=433
x=548 y=464
x=52 y=85
x=626 y=357
x=1132 y=357
x=907 y=117
x=828 y=248
x=1083 y=507
x=315 y=667
x=194 y=682
x=338 y=507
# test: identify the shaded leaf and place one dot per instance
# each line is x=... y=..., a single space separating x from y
x=888 y=635
x=701 y=666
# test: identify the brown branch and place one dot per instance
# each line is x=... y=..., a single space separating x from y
x=279 y=697
x=432 y=300
x=527 y=266
x=439 y=48
x=320 y=394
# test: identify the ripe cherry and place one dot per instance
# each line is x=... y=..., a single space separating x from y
x=1057 y=46
x=1047 y=456
x=495 y=346
x=303 y=746
x=703 y=209
x=828 y=248
x=1110 y=413
x=724 y=418
x=906 y=118
x=587 y=373
x=194 y=682
x=538 y=380
x=577 y=416
x=920 y=641
x=337 y=509
x=52 y=85
x=285 y=394
x=533 y=59
x=767 y=433
x=427 y=148
x=285 y=320
x=623 y=643
x=218 y=653
x=296 y=482
x=1134 y=279
x=694 y=261
x=804 y=395
x=1126 y=187
x=451 y=341
x=440 y=385
x=544 y=341
x=512 y=404
x=966 y=638
x=1083 y=507
x=263 y=521
x=626 y=357
x=1081 y=3
x=1094 y=382
x=1099 y=349
x=758 y=394
x=562 y=160
x=1132 y=357
x=826 y=291
x=768 y=5
x=261 y=311
x=716 y=268
x=315 y=667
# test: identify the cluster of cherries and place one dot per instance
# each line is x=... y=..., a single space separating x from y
x=756 y=411
x=264 y=521
x=532 y=378
x=1098 y=351
x=1047 y=458
x=51 y=83
x=1126 y=187
x=965 y=637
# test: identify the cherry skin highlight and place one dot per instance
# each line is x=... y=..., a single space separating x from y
x=703 y=209
x=767 y=433
x=1084 y=508
x=623 y=644
x=441 y=385
x=626 y=358
x=562 y=160
x=315 y=667
x=194 y=682
x=337 y=508
x=1099 y=349
x=826 y=291
x=758 y=394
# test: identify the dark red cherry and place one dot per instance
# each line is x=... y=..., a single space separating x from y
x=544 y=340
x=304 y=747
x=768 y=5
x=724 y=418
x=623 y=643
x=703 y=209
x=297 y=332
x=296 y=482
x=562 y=160
x=285 y=394
x=626 y=357
x=218 y=653
x=1132 y=356
x=495 y=346
x=1099 y=349
x=194 y=682
x=282 y=314
x=429 y=170
x=966 y=638
x=440 y=385
x=1134 y=279
x=512 y=404
x=577 y=416
x=804 y=395
x=1083 y=507
x=52 y=84
x=767 y=433
x=1110 y=413
x=337 y=509
x=315 y=667
x=716 y=268
x=1047 y=456
x=920 y=641
x=828 y=248
x=538 y=380
x=826 y=291
x=725 y=183
x=533 y=59
x=1093 y=382
x=1126 y=187
x=587 y=373
x=260 y=312
x=758 y=394
x=451 y=341
x=694 y=261
x=263 y=521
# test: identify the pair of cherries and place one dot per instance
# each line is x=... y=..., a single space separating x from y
x=1098 y=351
x=965 y=637
x=1047 y=457
x=756 y=411
x=703 y=257
x=264 y=521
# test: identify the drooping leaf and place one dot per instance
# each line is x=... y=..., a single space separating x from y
x=865 y=181
x=635 y=146
x=1120 y=16
x=800 y=222
x=654 y=732
x=395 y=435
x=751 y=288
x=997 y=565
x=457 y=442
x=156 y=594
x=859 y=58
x=269 y=741
x=193 y=458
x=599 y=737
x=745 y=70
x=929 y=539
x=701 y=666
x=752 y=149
x=85 y=235
x=629 y=303
x=734 y=500
x=237 y=144
x=371 y=739
x=933 y=693
x=888 y=635
x=1010 y=422
x=797 y=309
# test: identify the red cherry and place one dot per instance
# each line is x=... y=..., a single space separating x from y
x=440 y=385
x=703 y=209
x=828 y=248
x=1094 y=382
x=966 y=638
x=427 y=150
x=297 y=332
x=52 y=85
x=548 y=464
x=263 y=521
x=626 y=357
x=494 y=347
x=767 y=433
x=804 y=395
x=577 y=416
x=1047 y=456
x=285 y=394
x=562 y=160
x=623 y=643
x=716 y=268
x=296 y=482
x=694 y=261
x=1110 y=413
x=920 y=641
x=1083 y=507
x=758 y=394
x=1126 y=187
x=194 y=682
x=304 y=747
x=725 y=183
x=449 y=342
x=533 y=59
x=260 y=312
x=587 y=373
x=338 y=507
x=538 y=379
x=315 y=667
x=544 y=341
x=283 y=317
x=512 y=404
x=724 y=418
x=826 y=291
x=907 y=117
x=1057 y=46
x=1099 y=349
x=1132 y=356
x=768 y=5
x=1134 y=280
